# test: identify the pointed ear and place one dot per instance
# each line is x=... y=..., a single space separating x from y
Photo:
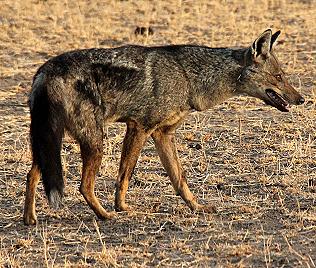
x=274 y=37
x=261 y=46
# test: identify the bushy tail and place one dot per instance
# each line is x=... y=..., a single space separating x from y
x=46 y=138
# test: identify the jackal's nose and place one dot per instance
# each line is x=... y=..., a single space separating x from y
x=300 y=101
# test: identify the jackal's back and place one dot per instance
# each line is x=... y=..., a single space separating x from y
x=144 y=83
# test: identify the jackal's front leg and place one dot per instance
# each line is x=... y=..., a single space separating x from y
x=134 y=140
x=166 y=147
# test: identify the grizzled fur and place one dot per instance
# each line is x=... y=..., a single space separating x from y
x=151 y=89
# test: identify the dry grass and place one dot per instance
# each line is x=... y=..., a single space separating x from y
x=257 y=164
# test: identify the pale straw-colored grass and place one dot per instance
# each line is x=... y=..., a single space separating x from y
x=256 y=164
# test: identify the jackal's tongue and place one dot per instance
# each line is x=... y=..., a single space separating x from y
x=277 y=101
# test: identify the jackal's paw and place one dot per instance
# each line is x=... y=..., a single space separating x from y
x=208 y=208
x=107 y=215
x=29 y=219
x=122 y=207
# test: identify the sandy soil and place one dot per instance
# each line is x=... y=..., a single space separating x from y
x=256 y=164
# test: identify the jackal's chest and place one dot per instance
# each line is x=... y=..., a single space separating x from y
x=171 y=119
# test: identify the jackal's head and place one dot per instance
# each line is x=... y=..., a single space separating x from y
x=262 y=76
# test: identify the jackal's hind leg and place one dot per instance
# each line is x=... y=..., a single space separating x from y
x=33 y=178
x=166 y=147
x=134 y=140
x=91 y=161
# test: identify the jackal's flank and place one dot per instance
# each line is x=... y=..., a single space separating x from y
x=152 y=90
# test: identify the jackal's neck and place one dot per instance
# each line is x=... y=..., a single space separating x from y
x=217 y=80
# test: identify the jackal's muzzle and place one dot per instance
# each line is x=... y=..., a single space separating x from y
x=282 y=103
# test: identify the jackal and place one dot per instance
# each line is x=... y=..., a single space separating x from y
x=152 y=90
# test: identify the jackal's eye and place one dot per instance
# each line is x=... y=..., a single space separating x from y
x=278 y=77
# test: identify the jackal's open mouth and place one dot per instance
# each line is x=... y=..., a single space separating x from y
x=277 y=101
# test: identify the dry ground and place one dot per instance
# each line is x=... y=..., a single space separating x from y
x=256 y=164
